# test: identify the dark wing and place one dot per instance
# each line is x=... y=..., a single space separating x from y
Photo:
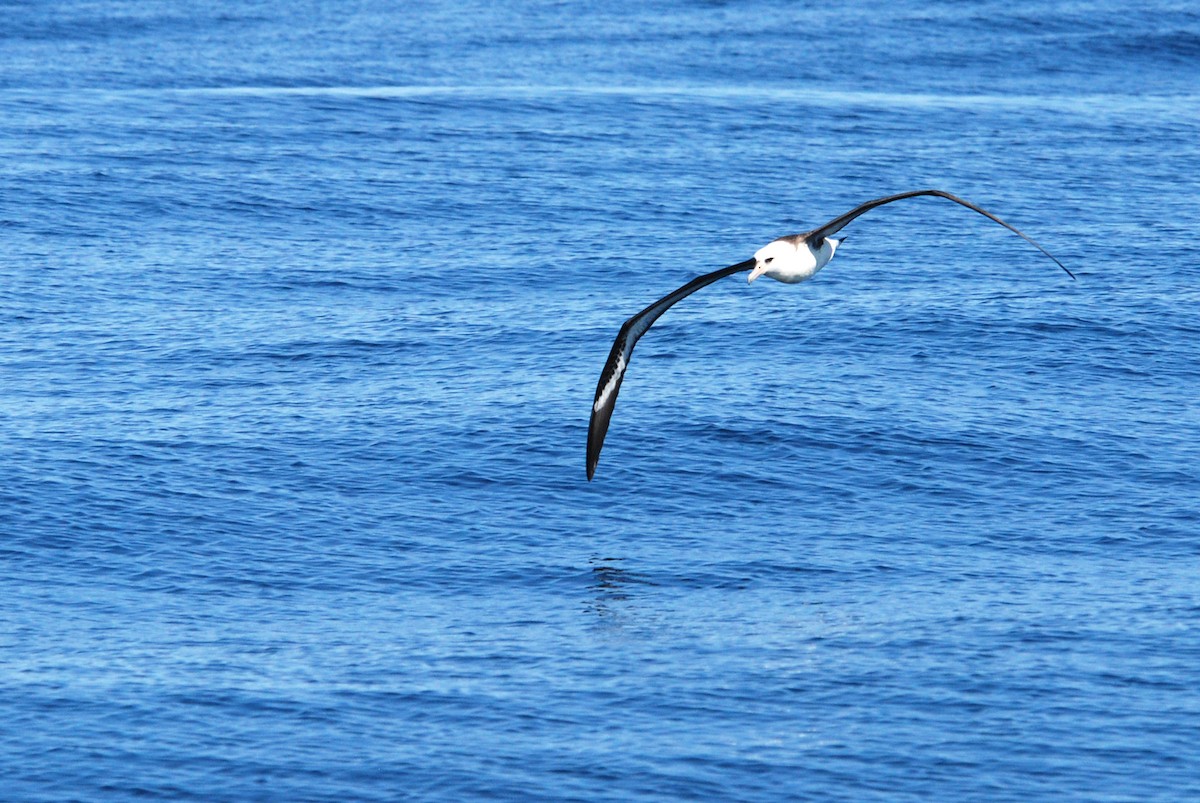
x=622 y=350
x=816 y=236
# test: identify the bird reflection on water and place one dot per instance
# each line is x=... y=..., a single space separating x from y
x=610 y=585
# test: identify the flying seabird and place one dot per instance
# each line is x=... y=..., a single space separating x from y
x=789 y=259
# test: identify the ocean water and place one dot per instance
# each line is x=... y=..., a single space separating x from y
x=302 y=307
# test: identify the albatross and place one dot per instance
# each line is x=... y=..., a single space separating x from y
x=788 y=259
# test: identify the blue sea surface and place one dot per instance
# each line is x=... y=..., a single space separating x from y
x=303 y=306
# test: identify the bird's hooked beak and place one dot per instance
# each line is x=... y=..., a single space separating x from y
x=760 y=268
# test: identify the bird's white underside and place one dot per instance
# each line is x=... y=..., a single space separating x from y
x=791 y=262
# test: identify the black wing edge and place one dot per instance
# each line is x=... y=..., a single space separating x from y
x=622 y=352
x=817 y=235
x=598 y=425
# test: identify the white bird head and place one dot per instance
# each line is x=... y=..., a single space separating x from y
x=777 y=258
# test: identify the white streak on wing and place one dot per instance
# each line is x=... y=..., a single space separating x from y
x=611 y=384
x=639 y=327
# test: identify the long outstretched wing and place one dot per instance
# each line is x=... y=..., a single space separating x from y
x=815 y=236
x=622 y=350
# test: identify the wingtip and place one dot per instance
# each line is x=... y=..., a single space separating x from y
x=593 y=453
x=1056 y=262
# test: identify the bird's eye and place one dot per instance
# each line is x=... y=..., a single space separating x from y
x=769 y=260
